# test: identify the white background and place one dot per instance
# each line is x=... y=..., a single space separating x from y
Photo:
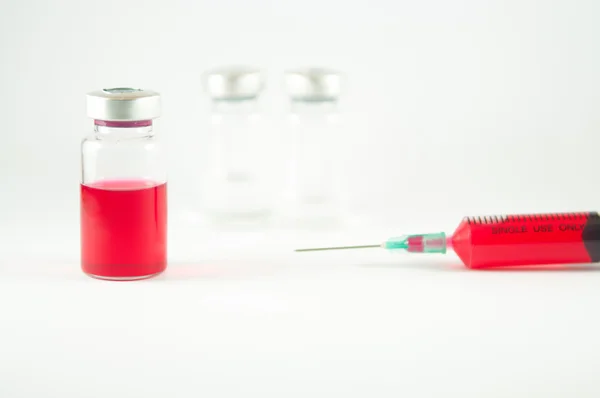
x=452 y=108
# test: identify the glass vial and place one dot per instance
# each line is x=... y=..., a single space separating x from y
x=312 y=193
x=123 y=187
x=237 y=187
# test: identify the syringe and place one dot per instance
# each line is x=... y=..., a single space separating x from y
x=509 y=240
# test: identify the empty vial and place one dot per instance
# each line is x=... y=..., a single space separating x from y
x=237 y=183
x=312 y=192
x=123 y=187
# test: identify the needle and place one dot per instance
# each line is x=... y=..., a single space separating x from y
x=337 y=248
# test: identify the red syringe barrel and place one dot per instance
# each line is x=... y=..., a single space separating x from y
x=534 y=239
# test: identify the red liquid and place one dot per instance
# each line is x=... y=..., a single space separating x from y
x=539 y=239
x=123 y=229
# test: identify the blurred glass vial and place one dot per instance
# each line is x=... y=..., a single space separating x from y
x=312 y=194
x=237 y=187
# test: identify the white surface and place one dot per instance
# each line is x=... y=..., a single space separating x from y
x=453 y=108
x=273 y=324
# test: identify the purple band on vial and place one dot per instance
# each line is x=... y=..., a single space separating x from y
x=135 y=123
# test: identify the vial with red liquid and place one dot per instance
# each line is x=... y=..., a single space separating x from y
x=123 y=187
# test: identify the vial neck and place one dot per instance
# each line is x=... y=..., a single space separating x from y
x=123 y=130
x=234 y=106
x=314 y=107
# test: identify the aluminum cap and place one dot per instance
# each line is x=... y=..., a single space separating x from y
x=123 y=104
x=313 y=84
x=233 y=82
